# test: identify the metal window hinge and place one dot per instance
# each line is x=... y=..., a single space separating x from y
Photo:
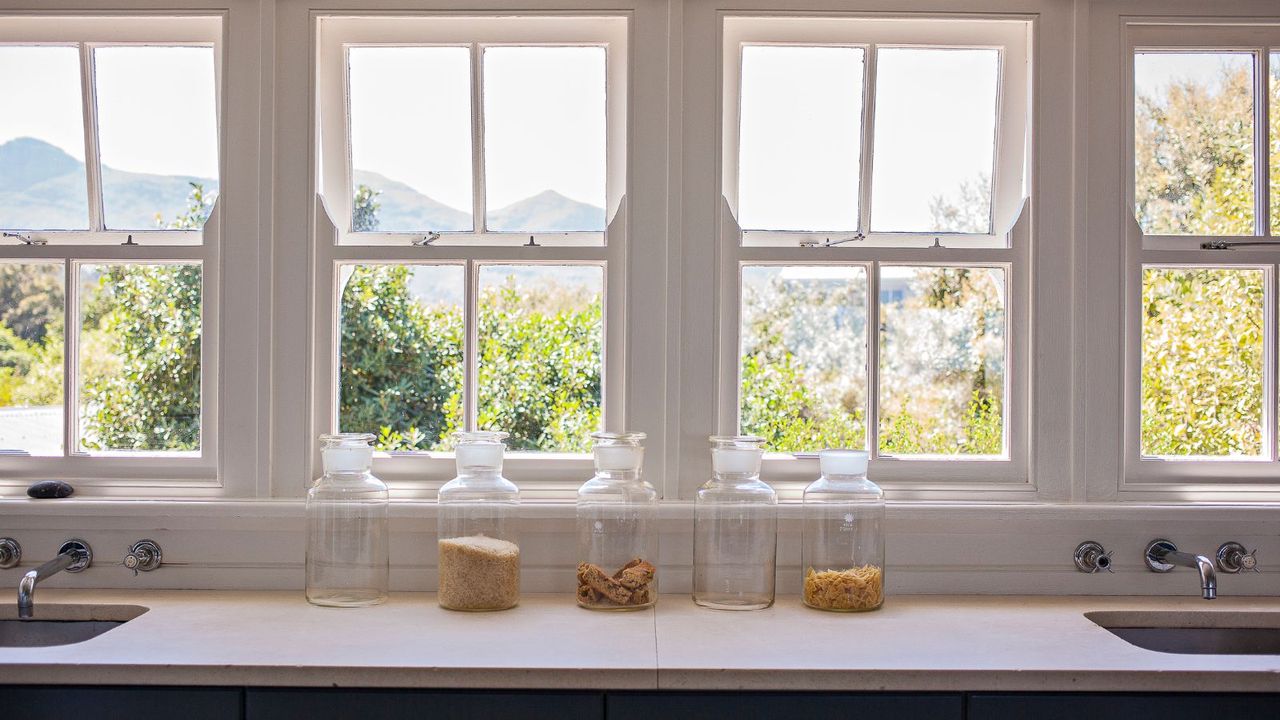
x=26 y=239
x=426 y=240
x=857 y=237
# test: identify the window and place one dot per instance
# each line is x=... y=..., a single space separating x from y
x=475 y=190
x=110 y=179
x=875 y=171
x=1202 y=337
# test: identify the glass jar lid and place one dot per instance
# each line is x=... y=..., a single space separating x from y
x=479 y=449
x=346 y=452
x=617 y=452
x=842 y=462
x=736 y=453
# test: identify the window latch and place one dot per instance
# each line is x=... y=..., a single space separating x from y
x=26 y=239
x=426 y=240
x=531 y=243
x=856 y=237
x=1226 y=245
x=128 y=240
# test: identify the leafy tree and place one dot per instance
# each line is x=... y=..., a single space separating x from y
x=364 y=215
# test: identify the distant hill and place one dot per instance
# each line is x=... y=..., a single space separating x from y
x=43 y=188
x=403 y=209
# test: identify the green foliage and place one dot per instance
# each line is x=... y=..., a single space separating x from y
x=153 y=327
x=1202 y=361
x=540 y=357
x=779 y=406
x=199 y=206
x=401 y=364
x=31 y=299
x=364 y=214
x=1193 y=148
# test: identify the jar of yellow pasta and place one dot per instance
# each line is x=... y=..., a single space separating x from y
x=842 y=549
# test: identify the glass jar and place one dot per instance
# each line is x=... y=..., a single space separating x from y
x=347 y=547
x=842 y=542
x=617 y=543
x=479 y=556
x=735 y=535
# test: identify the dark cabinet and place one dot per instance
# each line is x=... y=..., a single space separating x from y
x=119 y=703
x=1121 y=706
x=325 y=704
x=776 y=706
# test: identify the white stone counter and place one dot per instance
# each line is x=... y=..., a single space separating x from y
x=915 y=643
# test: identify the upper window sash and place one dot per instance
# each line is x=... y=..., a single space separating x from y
x=89 y=33
x=338 y=34
x=1260 y=41
x=1010 y=37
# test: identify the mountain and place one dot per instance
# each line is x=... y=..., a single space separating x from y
x=43 y=188
x=548 y=211
x=403 y=209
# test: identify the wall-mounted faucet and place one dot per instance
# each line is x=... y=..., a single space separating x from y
x=1163 y=556
x=73 y=556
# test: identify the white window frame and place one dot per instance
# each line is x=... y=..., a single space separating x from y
x=419 y=474
x=1197 y=476
x=1008 y=250
x=125 y=472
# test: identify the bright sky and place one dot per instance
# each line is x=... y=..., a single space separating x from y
x=544 y=113
x=156 y=105
x=801 y=134
x=1153 y=71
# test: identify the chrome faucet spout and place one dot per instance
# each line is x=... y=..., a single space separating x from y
x=1163 y=556
x=73 y=556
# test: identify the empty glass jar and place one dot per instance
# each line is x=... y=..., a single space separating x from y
x=617 y=543
x=347 y=546
x=479 y=554
x=735 y=529
x=842 y=544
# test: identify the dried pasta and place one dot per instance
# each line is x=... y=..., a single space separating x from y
x=859 y=588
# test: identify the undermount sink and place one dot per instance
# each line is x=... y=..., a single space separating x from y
x=62 y=624
x=1195 y=633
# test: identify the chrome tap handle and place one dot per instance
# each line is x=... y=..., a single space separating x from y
x=1232 y=558
x=143 y=556
x=1090 y=557
x=10 y=553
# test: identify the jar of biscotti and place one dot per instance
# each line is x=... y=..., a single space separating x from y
x=617 y=537
x=479 y=553
x=842 y=544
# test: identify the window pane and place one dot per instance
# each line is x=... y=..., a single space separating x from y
x=42 y=179
x=544 y=138
x=1275 y=143
x=411 y=138
x=934 y=139
x=140 y=357
x=541 y=339
x=800 y=138
x=157 y=132
x=401 y=369
x=804 y=356
x=1202 y=361
x=1193 y=143
x=31 y=347
x=942 y=361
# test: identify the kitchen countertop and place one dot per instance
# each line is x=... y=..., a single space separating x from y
x=915 y=643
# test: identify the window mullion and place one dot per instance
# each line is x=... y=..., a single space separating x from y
x=1261 y=143
x=868 y=137
x=873 y=358
x=1271 y=360
x=92 y=163
x=478 y=197
x=70 y=355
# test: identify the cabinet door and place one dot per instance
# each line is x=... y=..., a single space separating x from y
x=122 y=703
x=1122 y=706
x=321 y=704
x=768 y=706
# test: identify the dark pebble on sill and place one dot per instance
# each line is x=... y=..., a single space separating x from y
x=49 y=489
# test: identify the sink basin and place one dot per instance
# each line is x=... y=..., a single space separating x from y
x=1195 y=633
x=62 y=624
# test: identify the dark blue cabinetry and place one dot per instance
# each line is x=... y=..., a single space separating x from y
x=119 y=703
x=777 y=706
x=303 y=704
x=1122 y=706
